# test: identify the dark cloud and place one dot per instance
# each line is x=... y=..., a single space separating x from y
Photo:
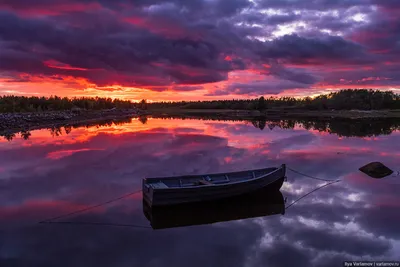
x=114 y=246
x=284 y=254
x=127 y=58
x=342 y=243
x=373 y=222
x=231 y=7
x=273 y=87
x=382 y=75
x=158 y=43
x=217 y=8
x=312 y=4
x=295 y=76
x=301 y=50
x=186 y=88
x=382 y=36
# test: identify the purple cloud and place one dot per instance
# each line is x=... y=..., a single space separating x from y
x=161 y=43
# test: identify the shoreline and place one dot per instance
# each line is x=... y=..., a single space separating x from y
x=278 y=113
x=11 y=123
x=14 y=123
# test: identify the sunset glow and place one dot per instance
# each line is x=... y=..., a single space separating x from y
x=168 y=50
x=77 y=189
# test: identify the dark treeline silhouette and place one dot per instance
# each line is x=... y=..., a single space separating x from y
x=55 y=103
x=361 y=99
x=337 y=126
x=342 y=127
x=348 y=99
x=67 y=129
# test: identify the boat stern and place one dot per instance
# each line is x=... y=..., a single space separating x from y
x=283 y=166
x=147 y=191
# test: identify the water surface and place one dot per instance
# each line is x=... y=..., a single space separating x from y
x=46 y=173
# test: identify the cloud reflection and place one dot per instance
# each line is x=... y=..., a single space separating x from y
x=354 y=219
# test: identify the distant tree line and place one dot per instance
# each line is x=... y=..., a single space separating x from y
x=67 y=129
x=54 y=103
x=340 y=127
x=361 y=99
x=347 y=99
x=368 y=127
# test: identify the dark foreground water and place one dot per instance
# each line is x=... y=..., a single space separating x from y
x=48 y=173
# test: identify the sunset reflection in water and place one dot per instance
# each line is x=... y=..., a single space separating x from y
x=53 y=172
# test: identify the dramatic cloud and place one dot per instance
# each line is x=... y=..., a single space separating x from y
x=272 y=87
x=179 y=45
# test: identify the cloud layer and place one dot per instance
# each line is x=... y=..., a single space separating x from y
x=189 y=46
x=47 y=176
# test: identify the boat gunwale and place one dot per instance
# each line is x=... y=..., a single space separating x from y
x=222 y=184
x=201 y=175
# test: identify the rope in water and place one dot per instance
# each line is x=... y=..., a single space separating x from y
x=311 y=192
x=90 y=208
x=312 y=177
x=98 y=224
x=51 y=220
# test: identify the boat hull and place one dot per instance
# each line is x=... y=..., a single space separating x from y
x=163 y=197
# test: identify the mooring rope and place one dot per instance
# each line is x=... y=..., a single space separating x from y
x=99 y=224
x=52 y=220
x=311 y=192
x=309 y=176
x=90 y=207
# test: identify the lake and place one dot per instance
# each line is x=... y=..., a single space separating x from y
x=46 y=173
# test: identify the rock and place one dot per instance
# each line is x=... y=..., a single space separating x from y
x=17 y=121
x=376 y=170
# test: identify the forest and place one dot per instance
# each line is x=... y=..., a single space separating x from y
x=347 y=99
x=361 y=99
x=340 y=127
x=55 y=103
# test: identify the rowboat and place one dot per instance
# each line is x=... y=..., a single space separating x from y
x=260 y=203
x=163 y=191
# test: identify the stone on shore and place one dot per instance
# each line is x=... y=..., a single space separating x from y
x=10 y=121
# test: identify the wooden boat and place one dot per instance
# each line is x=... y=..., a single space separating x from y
x=198 y=188
x=260 y=203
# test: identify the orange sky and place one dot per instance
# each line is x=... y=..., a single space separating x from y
x=72 y=87
x=169 y=50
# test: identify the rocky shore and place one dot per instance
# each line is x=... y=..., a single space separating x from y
x=16 y=122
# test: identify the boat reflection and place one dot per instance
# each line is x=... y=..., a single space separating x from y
x=257 y=204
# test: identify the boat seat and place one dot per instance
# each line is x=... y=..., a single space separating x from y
x=204 y=182
x=159 y=185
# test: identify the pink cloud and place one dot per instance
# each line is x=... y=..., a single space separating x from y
x=54 y=9
x=62 y=66
x=66 y=153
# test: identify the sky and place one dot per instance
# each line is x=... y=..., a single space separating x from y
x=199 y=49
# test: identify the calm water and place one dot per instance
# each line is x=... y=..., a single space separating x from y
x=53 y=173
